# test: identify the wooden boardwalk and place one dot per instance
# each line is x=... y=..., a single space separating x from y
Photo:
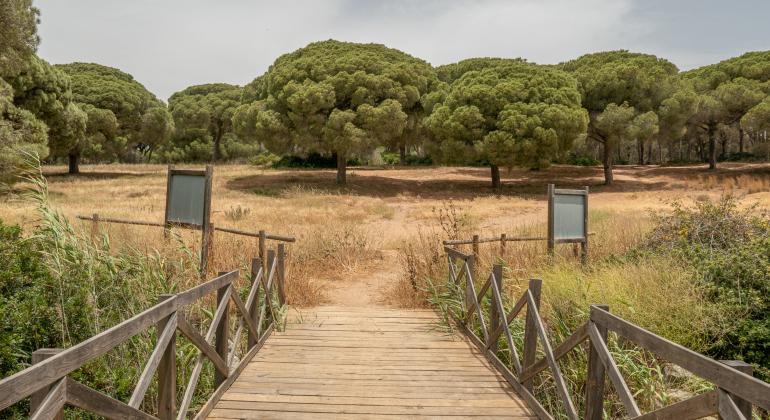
x=344 y=363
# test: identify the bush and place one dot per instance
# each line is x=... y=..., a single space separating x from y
x=729 y=249
x=312 y=160
x=265 y=159
x=576 y=160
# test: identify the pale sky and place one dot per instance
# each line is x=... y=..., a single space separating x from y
x=168 y=45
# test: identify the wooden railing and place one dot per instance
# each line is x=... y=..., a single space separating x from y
x=736 y=391
x=50 y=388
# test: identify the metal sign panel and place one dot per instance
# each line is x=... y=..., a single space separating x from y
x=569 y=213
x=187 y=197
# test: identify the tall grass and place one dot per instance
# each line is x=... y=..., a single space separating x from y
x=652 y=290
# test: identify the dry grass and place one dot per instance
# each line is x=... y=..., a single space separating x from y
x=385 y=220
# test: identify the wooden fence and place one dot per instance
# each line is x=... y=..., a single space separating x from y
x=50 y=388
x=502 y=240
x=261 y=235
x=736 y=390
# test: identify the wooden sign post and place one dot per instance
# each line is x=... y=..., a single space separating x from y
x=188 y=204
x=568 y=219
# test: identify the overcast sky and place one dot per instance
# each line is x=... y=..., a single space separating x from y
x=170 y=44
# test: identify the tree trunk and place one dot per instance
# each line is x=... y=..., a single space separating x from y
x=74 y=163
x=740 y=141
x=607 y=161
x=496 y=184
x=342 y=168
x=712 y=147
x=402 y=154
x=641 y=151
x=216 y=154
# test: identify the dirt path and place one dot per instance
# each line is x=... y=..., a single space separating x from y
x=365 y=289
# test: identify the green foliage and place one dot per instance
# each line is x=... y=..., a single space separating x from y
x=336 y=97
x=622 y=84
x=509 y=113
x=729 y=248
x=18 y=34
x=140 y=123
x=20 y=132
x=203 y=116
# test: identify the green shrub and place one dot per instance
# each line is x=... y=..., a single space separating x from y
x=729 y=249
x=265 y=159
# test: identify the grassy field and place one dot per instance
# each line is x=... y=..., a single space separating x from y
x=378 y=242
x=357 y=245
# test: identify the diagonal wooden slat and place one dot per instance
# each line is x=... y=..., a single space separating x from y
x=149 y=369
x=81 y=396
x=613 y=372
x=561 y=386
x=22 y=384
x=253 y=294
x=479 y=297
x=53 y=402
x=697 y=407
x=577 y=337
x=196 y=372
x=509 y=318
x=477 y=305
x=728 y=409
x=497 y=299
x=200 y=342
x=736 y=382
x=244 y=315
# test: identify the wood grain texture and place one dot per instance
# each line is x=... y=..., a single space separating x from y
x=338 y=363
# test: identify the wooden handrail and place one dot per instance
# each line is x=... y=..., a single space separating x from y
x=52 y=373
x=736 y=390
x=99 y=219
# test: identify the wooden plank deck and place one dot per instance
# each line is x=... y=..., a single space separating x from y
x=357 y=363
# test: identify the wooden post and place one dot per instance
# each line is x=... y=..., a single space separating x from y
x=494 y=315
x=584 y=244
x=743 y=405
x=551 y=233
x=207 y=236
x=502 y=244
x=167 y=372
x=37 y=398
x=262 y=248
x=270 y=260
x=476 y=247
x=530 y=329
x=168 y=201
x=207 y=228
x=221 y=339
x=256 y=264
x=471 y=262
x=281 y=273
x=95 y=228
x=595 y=379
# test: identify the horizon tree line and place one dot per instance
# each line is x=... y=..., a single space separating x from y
x=344 y=100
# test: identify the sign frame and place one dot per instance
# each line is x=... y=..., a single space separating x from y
x=552 y=239
x=205 y=227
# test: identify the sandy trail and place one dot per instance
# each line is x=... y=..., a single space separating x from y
x=366 y=289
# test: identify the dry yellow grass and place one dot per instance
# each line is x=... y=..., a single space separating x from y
x=350 y=241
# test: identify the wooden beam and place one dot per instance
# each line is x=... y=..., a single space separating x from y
x=500 y=313
x=217 y=395
x=598 y=343
x=723 y=376
x=22 y=384
x=577 y=337
x=245 y=316
x=728 y=409
x=53 y=403
x=197 y=292
x=81 y=396
x=561 y=386
x=199 y=341
x=145 y=379
x=697 y=407
x=530 y=330
x=37 y=398
x=595 y=378
x=167 y=370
